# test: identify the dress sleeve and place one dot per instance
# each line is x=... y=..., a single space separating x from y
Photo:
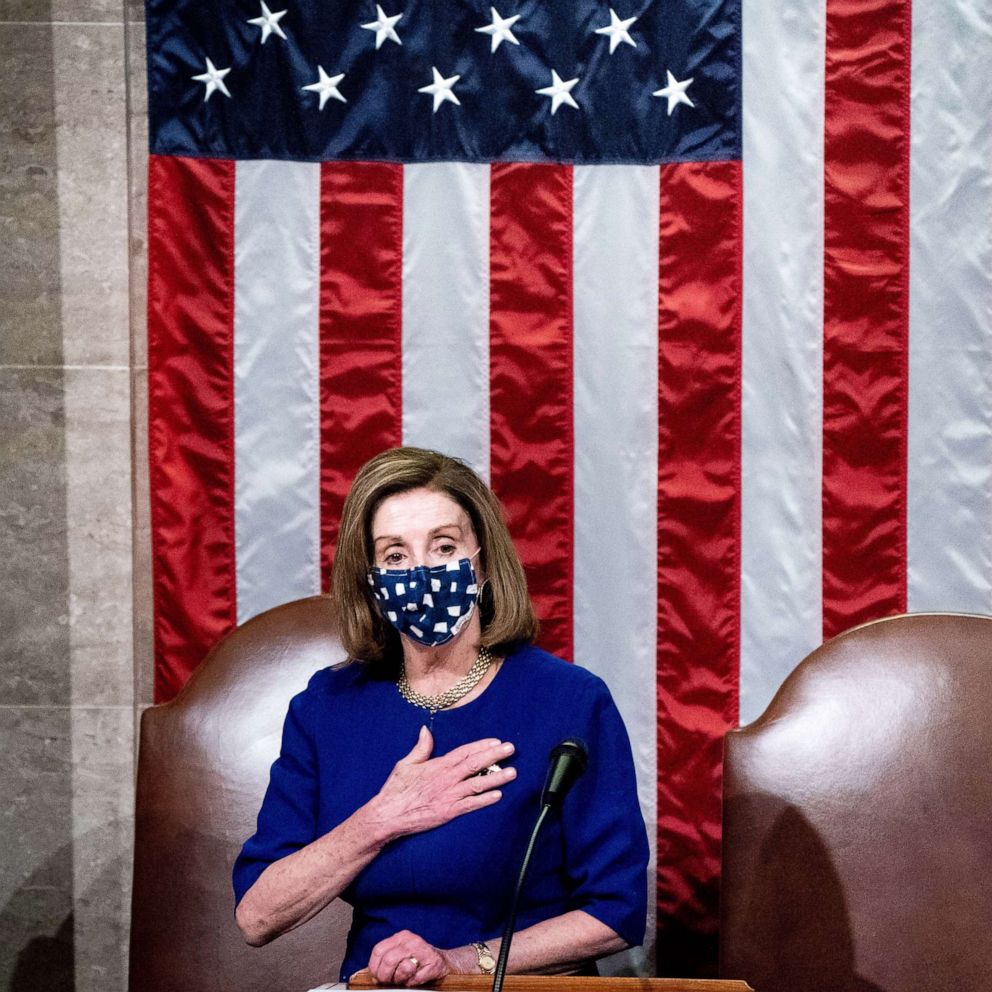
x=605 y=839
x=287 y=820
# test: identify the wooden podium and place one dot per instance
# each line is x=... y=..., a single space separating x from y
x=565 y=983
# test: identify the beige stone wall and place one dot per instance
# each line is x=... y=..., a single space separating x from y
x=74 y=601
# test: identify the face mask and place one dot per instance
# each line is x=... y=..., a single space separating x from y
x=429 y=605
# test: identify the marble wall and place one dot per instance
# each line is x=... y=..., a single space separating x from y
x=74 y=602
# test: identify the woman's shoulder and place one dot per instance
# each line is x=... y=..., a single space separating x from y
x=541 y=667
x=334 y=681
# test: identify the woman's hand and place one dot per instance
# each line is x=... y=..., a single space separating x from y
x=406 y=959
x=423 y=792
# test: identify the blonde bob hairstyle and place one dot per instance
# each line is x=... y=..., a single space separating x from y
x=506 y=612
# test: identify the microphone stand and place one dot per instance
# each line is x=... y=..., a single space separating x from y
x=504 y=950
x=568 y=762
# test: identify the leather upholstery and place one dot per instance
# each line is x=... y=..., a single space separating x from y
x=202 y=771
x=857 y=829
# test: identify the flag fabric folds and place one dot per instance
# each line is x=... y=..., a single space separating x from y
x=705 y=293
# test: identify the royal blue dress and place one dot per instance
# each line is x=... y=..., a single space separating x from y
x=453 y=884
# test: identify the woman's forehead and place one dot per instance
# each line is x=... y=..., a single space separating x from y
x=417 y=512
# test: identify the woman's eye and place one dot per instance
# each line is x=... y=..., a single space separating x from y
x=393 y=558
x=446 y=549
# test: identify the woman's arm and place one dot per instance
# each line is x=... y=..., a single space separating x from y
x=420 y=793
x=296 y=888
x=554 y=946
x=557 y=945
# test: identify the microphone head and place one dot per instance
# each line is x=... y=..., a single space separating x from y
x=575 y=748
x=568 y=761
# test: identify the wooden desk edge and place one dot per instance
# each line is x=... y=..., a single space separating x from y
x=556 y=983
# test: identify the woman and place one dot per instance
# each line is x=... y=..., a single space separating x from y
x=409 y=779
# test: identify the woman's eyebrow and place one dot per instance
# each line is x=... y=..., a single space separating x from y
x=388 y=538
x=433 y=532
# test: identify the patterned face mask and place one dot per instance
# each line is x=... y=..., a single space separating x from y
x=429 y=605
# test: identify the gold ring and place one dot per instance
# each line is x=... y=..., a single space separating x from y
x=416 y=963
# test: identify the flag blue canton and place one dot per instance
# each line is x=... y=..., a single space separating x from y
x=622 y=84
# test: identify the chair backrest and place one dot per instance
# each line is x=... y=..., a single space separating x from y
x=857 y=829
x=203 y=766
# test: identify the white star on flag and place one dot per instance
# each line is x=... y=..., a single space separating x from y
x=499 y=30
x=560 y=92
x=617 y=31
x=441 y=89
x=326 y=86
x=269 y=23
x=674 y=92
x=214 y=78
x=383 y=27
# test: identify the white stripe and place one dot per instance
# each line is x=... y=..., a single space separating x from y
x=950 y=311
x=446 y=310
x=615 y=299
x=276 y=369
x=781 y=546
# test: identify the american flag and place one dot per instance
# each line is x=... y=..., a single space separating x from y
x=730 y=410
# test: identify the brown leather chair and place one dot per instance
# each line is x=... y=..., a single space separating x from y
x=857 y=828
x=203 y=766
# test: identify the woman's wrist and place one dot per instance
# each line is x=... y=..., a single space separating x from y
x=376 y=825
x=463 y=960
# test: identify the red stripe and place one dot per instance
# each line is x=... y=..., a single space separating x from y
x=531 y=380
x=699 y=345
x=190 y=410
x=361 y=263
x=866 y=305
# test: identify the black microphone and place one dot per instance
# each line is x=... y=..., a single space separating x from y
x=568 y=762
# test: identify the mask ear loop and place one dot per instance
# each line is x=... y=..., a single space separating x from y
x=478 y=597
x=482 y=584
x=475 y=554
x=477 y=604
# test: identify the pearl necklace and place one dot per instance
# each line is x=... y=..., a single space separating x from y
x=450 y=696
